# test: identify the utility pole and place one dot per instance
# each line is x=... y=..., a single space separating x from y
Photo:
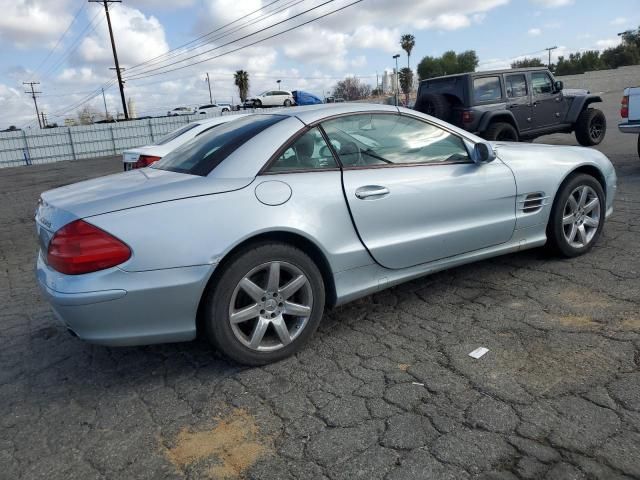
x=115 y=53
x=44 y=120
x=35 y=101
x=550 y=49
x=106 y=112
x=209 y=83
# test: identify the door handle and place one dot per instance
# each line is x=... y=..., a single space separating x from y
x=372 y=192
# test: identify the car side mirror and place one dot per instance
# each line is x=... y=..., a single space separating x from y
x=483 y=153
x=558 y=86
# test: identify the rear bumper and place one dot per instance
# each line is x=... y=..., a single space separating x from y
x=118 y=308
x=629 y=127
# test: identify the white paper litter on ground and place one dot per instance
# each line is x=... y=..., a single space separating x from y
x=478 y=352
x=418 y=384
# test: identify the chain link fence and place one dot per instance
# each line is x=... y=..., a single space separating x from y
x=35 y=146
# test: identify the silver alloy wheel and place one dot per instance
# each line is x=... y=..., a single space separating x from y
x=581 y=216
x=270 y=306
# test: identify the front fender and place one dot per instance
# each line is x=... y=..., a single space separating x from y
x=579 y=104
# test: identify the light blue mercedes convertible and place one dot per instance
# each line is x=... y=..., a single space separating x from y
x=246 y=233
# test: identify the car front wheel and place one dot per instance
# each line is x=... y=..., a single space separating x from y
x=577 y=216
x=265 y=305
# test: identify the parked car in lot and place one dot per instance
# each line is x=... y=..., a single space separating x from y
x=247 y=232
x=214 y=107
x=141 y=157
x=181 y=111
x=271 y=98
x=513 y=105
x=630 y=112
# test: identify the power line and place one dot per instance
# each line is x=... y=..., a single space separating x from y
x=174 y=50
x=88 y=29
x=75 y=17
x=142 y=74
x=35 y=101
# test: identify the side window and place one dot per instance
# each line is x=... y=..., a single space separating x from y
x=386 y=139
x=308 y=152
x=541 y=83
x=516 y=86
x=486 y=89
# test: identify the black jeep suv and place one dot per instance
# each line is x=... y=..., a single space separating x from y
x=512 y=105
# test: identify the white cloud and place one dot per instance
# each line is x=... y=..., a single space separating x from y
x=608 y=43
x=137 y=37
x=553 y=3
x=446 y=21
x=534 y=32
x=619 y=21
x=26 y=23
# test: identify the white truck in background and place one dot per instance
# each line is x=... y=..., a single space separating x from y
x=630 y=111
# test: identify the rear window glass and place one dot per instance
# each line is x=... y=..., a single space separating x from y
x=516 y=86
x=205 y=152
x=486 y=89
x=176 y=133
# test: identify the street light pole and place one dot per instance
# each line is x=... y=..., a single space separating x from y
x=278 y=82
x=397 y=82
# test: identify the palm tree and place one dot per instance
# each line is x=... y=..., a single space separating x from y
x=407 y=42
x=241 y=80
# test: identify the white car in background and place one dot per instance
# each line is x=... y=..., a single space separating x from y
x=141 y=157
x=181 y=111
x=214 y=107
x=271 y=98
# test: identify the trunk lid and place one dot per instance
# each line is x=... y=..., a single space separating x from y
x=125 y=190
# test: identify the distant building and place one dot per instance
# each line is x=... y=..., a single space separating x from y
x=70 y=122
x=389 y=82
x=131 y=107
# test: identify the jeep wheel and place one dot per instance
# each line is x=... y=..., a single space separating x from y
x=436 y=105
x=503 y=132
x=591 y=127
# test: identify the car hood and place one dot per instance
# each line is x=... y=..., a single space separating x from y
x=126 y=190
x=575 y=92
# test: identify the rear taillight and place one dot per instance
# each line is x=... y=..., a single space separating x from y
x=467 y=117
x=624 y=108
x=145 y=161
x=80 y=247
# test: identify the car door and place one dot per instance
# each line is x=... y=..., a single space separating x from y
x=414 y=193
x=272 y=98
x=519 y=100
x=548 y=104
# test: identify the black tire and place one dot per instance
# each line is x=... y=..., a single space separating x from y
x=287 y=103
x=219 y=296
x=225 y=110
x=501 y=131
x=556 y=240
x=257 y=103
x=435 y=105
x=591 y=127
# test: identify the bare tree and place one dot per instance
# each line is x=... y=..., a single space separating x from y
x=351 y=88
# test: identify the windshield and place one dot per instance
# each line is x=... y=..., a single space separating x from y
x=176 y=133
x=202 y=154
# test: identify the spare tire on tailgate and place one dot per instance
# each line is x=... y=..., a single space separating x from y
x=434 y=104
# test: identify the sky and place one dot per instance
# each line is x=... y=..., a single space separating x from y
x=64 y=44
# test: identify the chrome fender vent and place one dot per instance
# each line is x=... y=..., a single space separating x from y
x=533 y=202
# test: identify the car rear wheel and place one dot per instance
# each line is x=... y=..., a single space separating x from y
x=287 y=103
x=501 y=131
x=265 y=305
x=577 y=216
x=591 y=127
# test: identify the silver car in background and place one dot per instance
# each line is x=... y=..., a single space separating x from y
x=140 y=157
x=246 y=233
